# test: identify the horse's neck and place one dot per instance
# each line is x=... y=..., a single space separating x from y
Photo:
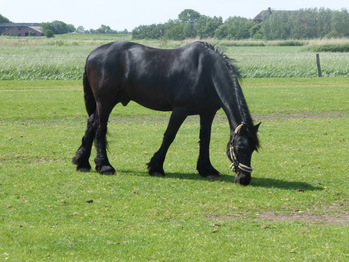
x=230 y=102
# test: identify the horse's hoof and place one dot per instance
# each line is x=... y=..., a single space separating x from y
x=107 y=170
x=213 y=176
x=83 y=169
x=157 y=174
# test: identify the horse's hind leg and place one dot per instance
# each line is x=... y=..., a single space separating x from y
x=204 y=165
x=155 y=166
x=83 y=153
x=102 y=163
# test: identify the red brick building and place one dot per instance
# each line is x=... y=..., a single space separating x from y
x=21 y=29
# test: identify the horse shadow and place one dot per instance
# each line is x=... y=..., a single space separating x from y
x=255 y=182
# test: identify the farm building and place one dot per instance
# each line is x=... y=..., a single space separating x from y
x=21 y=29
x=265 y=14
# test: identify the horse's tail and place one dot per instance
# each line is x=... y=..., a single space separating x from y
x=90 y=101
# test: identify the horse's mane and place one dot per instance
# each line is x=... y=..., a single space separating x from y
x=235 y=76
x=229 y=63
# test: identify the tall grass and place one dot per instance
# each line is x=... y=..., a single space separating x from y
x=329 y=45
x=279 y=61
x=63 y=57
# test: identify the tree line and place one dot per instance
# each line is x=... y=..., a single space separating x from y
x=306 y=24
x=191 y=24
x=301 y=24
x=59 y=27
x=283 y=25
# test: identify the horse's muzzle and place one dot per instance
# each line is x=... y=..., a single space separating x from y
x=243 y=178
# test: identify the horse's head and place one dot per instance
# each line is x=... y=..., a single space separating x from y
x=239 y=150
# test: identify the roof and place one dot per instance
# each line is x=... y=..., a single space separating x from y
x=6 y=26
x=36 y=28
x=263 y=15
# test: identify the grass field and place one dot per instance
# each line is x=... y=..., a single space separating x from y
x=63 y=57
x=296 y=207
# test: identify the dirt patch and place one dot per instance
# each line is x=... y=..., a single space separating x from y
x=226 y=217
x=275 y=116
x=340 y=219
x=222 y=117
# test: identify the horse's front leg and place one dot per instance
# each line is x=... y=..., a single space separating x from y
x=102 y=162
x=204 y=165
x=155 y=166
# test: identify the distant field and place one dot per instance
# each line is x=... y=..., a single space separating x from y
x=296 y=207
x=63 y=57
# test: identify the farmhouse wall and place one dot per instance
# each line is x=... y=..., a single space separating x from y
x=22 y=31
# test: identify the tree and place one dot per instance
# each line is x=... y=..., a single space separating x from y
x=3 y=19
x=206 y=26
x=277 y=26
x=256 y=32
x=80 y=30
x=234 y=28
x=174 y=30
x=154 y=31
x=340 y=22
x=324 y=22
x=306 y=24
x=189 y=18
x=105 y=30
x=58 y=27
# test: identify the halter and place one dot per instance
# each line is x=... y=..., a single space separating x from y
x=236 y=163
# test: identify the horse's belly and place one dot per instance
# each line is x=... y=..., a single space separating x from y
x=150 y=98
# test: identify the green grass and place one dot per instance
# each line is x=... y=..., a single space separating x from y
x=287 y=62
x=63 y=57
x=296 y=207
x=332 y=48
x=329 y=45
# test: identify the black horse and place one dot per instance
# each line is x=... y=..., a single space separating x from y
x=196 y=79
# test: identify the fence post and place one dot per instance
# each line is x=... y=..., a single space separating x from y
x=318 y=65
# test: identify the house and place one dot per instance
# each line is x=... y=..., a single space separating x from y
x=21 y=29
x=263 y=15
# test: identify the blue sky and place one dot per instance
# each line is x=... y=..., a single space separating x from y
x=127 y=14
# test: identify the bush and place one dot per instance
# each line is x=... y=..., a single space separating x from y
x=333 y=34
x=287 y=43
x=49 y=33
x=331 y=48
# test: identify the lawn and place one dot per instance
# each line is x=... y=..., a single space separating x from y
x=296 y=207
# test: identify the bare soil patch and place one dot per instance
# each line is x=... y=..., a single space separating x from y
x=339 y=219
x=222 y=117
x=276 y=116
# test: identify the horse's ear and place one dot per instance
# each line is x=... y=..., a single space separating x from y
x=257 y=126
